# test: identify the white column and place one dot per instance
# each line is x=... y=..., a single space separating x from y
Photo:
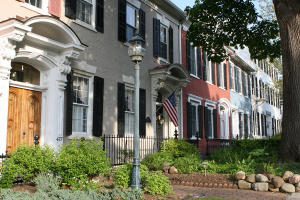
x=7 y=53
x=55 y=109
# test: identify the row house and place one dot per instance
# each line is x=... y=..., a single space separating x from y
x=65 y=72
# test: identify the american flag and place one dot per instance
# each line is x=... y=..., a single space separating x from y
x=170 y=106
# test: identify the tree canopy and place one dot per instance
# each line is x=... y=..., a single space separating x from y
x=219 y=23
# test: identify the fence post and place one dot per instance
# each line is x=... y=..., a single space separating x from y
x=176 y=134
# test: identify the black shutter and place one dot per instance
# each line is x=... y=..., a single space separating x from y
x=249 y=86
x=122 y=20
x=69 y=104
x=100 y=15
x=265 y=117
x=225 y=75
x=213 y=75
x=215 y=114
x=142 y=23
x=230 y=76
x=200 y=117
x=199 y=64
x=121 y=109
x=188 y=55
x=142 y=112
x=156 y=37
x=171 y=45
x=218 y=71
x=189 y=115
x=70 y=8
x=204 y=65
x=98 y=106
x=246 y=131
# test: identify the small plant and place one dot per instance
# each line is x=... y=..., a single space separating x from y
x=26 y=163
x=188 y=164
x=156 y=183
x=179 y=148
x=81 y=159
x=47 y=182
x=158 y=160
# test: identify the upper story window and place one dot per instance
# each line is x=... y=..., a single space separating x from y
x=163 y=42
x=80 y=104
x=36 y=3
x=131 y=21
x=85 y=10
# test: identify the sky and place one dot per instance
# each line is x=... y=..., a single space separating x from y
x=183 y=3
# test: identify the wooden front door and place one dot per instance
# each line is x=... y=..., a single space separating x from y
x=24 y=117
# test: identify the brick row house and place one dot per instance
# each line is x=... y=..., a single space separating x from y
x=65 y=73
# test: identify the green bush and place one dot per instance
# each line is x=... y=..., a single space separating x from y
x=26 y=163
x=158 y=160
x=156 y=183
x=47 y=182
x=81 y=159
x=179 y=148
x=188 y=164
x=122 y=175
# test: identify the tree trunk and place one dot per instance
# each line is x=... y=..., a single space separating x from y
x=288 y=16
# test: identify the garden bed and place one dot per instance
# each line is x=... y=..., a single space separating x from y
x=200 y=180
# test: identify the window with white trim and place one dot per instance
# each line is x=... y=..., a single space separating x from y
x=129 y=110
x=85 y=10
x=80 y=104
x=131 y=21
x=210 y=122
x=36 y=3
x=194 y=103
x=163 y=49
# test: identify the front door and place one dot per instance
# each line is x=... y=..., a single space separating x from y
x=24 y=117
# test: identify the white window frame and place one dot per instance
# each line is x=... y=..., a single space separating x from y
x=211 y=106
x=195 y=101
x=136 y=9
x=89 y=122
x=42 y=10
x=126 y=125
x=194 y=67
x=92 y=25
x=232 y=76
x=208 y=71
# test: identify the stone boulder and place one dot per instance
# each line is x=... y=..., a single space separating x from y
x=294 y=179
x=287 y=175
x=297 y=187
x=240 y=175
x=272 y=188
x=270 y=176
x=251 y=178
x=277 y=181
x=173 y=170
x=288 y=188
x=166 y=169
x=260 y=187
x=244 y=185
x=261 y=178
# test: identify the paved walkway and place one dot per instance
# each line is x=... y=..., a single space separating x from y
x=190 y=193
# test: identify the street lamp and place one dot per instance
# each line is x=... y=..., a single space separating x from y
x=136 y=52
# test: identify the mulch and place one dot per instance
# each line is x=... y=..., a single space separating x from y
x=200 y=180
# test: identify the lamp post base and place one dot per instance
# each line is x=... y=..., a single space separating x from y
x=136 y=179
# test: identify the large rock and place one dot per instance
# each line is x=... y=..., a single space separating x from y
x=251 y=178
x=287 y=175
x=272 y=188
x=173 y=170
x=277 y=181
x=297 y=187
x=294 y=179
x=261 y=178
x=240 y=175
x=270 y=176
x=261 y=187
x=244 y=185
x=288 y=188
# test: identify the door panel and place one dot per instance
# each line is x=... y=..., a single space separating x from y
x=24 y=119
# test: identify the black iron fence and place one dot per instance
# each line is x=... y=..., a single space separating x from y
x=120 y=149
x=3 y=157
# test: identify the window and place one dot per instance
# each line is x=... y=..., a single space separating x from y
x=80 y=104
x=36 y=3
x=194 y=118
x=231 y=70
x=210 y=123
x=163 y=42
x=85 y=10
x=193 y=60
x=129 y=111
x=131 y=19
x=237 y=79
x=22 y=72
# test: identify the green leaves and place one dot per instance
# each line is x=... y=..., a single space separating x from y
x=219 y=23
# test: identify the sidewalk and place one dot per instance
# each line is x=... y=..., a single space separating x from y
x=189 y=193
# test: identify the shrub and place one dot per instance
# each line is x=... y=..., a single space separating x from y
x=179 y=148
x=47 y=182
x=187 y=164
x=26 y=163
x=156 y=183
x=158 y=160
x=122 y=175
x=81 y=159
